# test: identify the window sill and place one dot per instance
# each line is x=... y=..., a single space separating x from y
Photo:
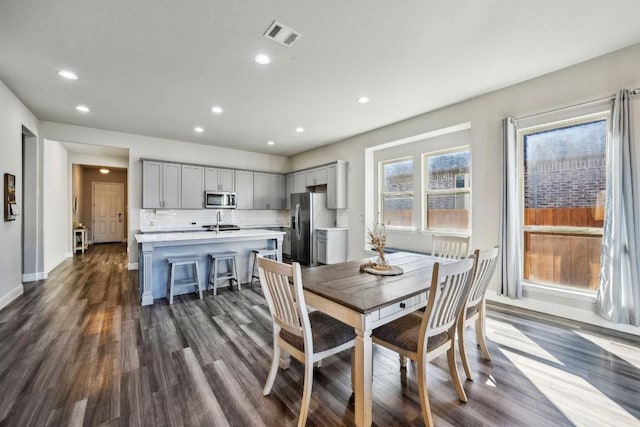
x=456 y=233
x=400 y=229
x=587 y=296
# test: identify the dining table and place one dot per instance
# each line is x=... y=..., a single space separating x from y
x=366 y=301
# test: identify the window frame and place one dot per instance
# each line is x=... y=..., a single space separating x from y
x=445 y=191
x=551 y=229
x=394 y=194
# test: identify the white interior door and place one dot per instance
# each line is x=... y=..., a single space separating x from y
x=108 y=211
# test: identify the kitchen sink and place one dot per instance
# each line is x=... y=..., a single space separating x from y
x=223 y=227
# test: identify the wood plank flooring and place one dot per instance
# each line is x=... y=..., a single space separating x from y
x=77 y=349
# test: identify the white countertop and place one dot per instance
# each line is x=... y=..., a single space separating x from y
x=196 y=228
x=206 y=235
x=331 y=228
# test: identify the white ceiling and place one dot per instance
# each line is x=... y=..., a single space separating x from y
x=157 y=67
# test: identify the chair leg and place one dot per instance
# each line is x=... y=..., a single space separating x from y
x=463 y=350
x=209 y=280
x=403 y=362
x=274 y=369
x=353 y=370
x=253 y=269
x=197 y=279
x=306 y=394
x=480 y=333
x=171 y=278
x=424 y=393
x=235 y=273
x=215 y=276
x=453 y=370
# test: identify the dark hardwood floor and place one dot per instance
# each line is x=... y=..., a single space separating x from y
x=77 y=349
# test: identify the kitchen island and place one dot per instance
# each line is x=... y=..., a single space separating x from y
x=155 y=248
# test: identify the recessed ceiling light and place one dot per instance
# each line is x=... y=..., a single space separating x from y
x=299 y=129
x=216 y=109
x=270 y=142
x=104 y=171
x=262 y=59
x=83 y=108
x=363 y=100
x=68 y=75
x=198 y=129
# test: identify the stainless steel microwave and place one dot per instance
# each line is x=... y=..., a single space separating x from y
x=219 y=200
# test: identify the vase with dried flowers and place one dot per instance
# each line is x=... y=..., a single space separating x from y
x=378 y=239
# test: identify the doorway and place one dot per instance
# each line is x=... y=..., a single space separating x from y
x=108 y=212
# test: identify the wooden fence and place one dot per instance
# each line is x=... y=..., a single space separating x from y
x=564 y=259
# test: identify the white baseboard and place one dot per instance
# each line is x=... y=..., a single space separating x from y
x=57 y=262
x=133 y=266
x=11 y=295
x=32 y=277
x=562 y=310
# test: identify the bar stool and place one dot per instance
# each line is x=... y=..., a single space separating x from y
x=174 y=284
x=267 y=253
x=232 y=270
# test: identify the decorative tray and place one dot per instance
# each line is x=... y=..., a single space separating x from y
x=392 y=271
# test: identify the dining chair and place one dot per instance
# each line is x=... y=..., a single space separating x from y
x=422 y=338
x=451 y=247
x=308 y=337
x=474 y=310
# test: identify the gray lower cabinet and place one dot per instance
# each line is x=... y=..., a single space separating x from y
x=286 y=243
x=244 y=189
x=161 y=185
x=192 y=187
x=331 y=245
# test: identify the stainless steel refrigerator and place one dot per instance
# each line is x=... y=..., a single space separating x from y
x=308 y=211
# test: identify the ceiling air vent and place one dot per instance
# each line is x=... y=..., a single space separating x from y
x=281 y=34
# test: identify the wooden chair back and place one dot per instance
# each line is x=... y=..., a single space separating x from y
x=451 y=247
x=449 y=289
x=486 y=262
x=282 y=287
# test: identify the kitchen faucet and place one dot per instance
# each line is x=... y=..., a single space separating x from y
x=218 y=219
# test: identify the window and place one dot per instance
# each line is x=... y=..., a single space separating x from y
x=562 y=194
x=448 y=190
x=396 y=197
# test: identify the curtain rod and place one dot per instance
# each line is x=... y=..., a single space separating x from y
x=632 y=92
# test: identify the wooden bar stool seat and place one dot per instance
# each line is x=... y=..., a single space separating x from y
x=266 y=253
x=174 y=284
x=232 y=269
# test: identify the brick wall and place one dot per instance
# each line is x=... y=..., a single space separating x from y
x=565 y=167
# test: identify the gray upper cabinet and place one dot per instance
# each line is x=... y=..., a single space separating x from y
x=244 y=189
x=171 y=178
x=337 y=185
x=217 y=179
x=289 y=187
x=192 y=187
x=295 y=183
x=300 y=184
x=316 y=176
x=161 y=185
x=151 y=185
x=268 y=191
x=276 y=192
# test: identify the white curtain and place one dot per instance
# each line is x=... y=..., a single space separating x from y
x=511 y=272
x=619 y=292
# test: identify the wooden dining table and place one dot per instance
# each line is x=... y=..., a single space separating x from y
x=366 y=301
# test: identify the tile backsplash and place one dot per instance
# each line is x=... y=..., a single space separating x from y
x=167 y=218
